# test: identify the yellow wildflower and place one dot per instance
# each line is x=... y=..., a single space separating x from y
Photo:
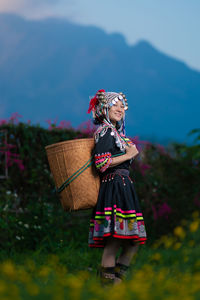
x=9 y=269
x=177 y=246
x=194 y=226
x=44 y=271
x=179 y=232
x=75 y=282
x=168 y=242
x=117 y=292
x=23 y=276
x=2 y=286
x=156 y=256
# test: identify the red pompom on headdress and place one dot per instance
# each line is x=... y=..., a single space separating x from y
x=94 y=101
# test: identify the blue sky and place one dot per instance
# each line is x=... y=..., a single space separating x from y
x=172 y=26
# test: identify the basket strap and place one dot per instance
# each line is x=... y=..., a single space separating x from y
x=75 y=175
x=78 y=172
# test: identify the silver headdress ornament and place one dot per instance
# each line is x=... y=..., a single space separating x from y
x=100 y=105
x=103 y=100
x=107 y=99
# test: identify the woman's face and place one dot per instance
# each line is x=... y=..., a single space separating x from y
x=116 y=112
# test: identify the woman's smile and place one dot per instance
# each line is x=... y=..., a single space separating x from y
x=116 y=112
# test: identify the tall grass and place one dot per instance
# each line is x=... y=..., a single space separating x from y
x=169 y=269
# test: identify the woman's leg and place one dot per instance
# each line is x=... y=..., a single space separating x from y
x=124 y=260
x=107 y=270
x=110 y=251
x=128 y=251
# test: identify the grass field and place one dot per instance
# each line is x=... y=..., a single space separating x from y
x=168 y=269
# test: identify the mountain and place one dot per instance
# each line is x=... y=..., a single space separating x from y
x=49 y=68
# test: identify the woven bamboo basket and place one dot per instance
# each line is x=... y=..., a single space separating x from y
x=65 y=158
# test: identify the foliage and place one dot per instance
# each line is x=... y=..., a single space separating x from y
x=166 y=181
x=31 y=213
x=44 y=252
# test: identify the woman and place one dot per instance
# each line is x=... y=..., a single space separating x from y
x=117 y=221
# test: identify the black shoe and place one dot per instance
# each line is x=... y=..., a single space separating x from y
x=107 y=275
x=121 y=271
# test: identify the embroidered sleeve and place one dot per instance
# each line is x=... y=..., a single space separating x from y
x=102 y=161
x=102 y=152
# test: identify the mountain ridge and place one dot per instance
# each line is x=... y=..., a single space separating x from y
x=55 y=64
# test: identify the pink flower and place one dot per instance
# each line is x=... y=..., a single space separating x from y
x=144 y=168
x=164 y=210
x=161 y=149
x=64 y=125
x=2 y=122
x=11 y=158
x=52 y=124
x=87 y=127
x=14 y=118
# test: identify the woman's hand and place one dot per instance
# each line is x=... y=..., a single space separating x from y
x=131 y=151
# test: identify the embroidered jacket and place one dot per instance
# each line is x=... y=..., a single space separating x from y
x=108 y=143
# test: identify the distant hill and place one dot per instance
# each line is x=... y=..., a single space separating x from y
x=49 y=69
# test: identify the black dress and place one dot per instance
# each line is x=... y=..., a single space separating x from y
x=117 y=212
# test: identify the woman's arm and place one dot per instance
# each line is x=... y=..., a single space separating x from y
x=131 y=152
x=102 y=153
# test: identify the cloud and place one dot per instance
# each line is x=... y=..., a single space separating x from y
x=9 y=5
x=32 y=8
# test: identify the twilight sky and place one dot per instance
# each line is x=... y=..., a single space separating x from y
x=171 y=26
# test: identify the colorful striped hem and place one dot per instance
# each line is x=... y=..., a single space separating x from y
x=98 y=241
x=128 y=216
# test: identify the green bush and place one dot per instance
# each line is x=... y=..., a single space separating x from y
x=31 y=213
x=166 y=181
